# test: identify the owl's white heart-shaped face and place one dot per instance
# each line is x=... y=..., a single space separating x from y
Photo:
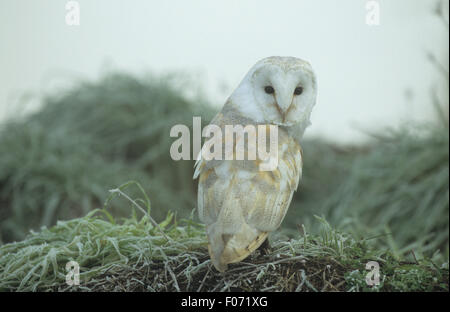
x=277 y=90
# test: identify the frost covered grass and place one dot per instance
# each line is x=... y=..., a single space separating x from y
x=135 y=254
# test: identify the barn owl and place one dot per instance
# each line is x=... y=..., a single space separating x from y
x=239 y=203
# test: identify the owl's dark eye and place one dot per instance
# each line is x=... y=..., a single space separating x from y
x=269 y=89
x=298 y=91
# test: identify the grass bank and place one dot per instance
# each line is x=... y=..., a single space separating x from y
x=136 y=254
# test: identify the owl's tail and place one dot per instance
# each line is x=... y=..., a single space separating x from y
x=230 y=248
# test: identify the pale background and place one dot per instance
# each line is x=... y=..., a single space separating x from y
x=369 y=76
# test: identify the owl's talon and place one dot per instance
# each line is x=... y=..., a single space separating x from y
x=265 y=248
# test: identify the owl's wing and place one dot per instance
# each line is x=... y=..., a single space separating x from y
x=240 y=204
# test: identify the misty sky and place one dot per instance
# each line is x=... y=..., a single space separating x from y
x=368 y=76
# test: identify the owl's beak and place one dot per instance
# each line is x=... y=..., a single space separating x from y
x=283 y=104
